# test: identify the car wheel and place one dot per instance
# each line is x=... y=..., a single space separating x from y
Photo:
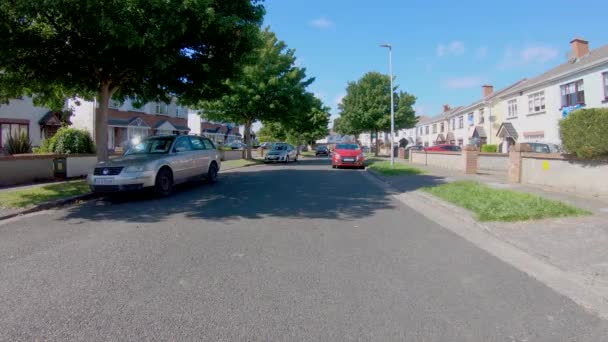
x=295 y=160
x=163 y=185
x=286 y=159
x=212 y=174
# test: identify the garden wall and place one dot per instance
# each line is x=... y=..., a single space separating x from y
x=555 y=170
x=448 y=160
x=493 y=162
x=231 y=154
x=31 y=168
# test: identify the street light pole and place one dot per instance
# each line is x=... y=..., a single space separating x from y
x=390 y=65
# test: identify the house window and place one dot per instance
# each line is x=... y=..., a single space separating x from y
x=426 y=144
x=160 y=108
x=434 y=128
x=460 y=142
x=426 y=130
x=471 y=119
x=420 y=130
x=453 y=124
x=481 y=116
x=512 y=108
x=605 y=76
x=536 y=102
x=441 y=127
x=573 y=93
x=137 y=132
x=461 y=121
x=14 y=130
x=113 y=104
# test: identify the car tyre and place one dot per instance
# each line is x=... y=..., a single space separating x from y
x=286 y=159
x=163 y=185
x=212 y=173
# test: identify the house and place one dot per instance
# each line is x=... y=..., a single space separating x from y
x=22 y=116
x=218 y=132
x=532 y=110
x=128 y=120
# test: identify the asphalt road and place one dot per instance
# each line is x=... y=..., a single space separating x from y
x=270 y=253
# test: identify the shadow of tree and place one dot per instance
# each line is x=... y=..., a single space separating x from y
x=307 y=191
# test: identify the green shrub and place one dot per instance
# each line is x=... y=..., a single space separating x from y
x=19 y=144
x=489 y=148
x=68 y=141
x=583 y=132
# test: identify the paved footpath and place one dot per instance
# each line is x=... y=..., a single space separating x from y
x=270 y=253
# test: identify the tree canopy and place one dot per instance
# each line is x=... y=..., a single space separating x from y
x=144 y=49
x=366 y=107
x=271 y=88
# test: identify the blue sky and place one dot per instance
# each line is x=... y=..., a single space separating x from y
x=443 y=51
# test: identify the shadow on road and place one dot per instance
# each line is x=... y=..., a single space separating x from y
x=302 y=190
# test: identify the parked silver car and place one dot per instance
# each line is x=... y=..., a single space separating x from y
x=158 y=162
x=281 y=152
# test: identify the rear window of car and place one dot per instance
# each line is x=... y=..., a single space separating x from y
x=208 y=144
x=197 y=144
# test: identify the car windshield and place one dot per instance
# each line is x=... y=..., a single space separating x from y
x=279 y=147
x=347 y=147
x=157 y=145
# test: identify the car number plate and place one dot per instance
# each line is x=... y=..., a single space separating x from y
x=349 y=159
x=104 y=181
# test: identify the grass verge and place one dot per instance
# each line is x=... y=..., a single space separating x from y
x=490 y=204
x=307 y=154
x=36 y=195
x=232 y=164
x=384 y=168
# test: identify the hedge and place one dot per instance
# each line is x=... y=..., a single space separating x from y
x=583 y=133
x=68 y=141
x=489 y=148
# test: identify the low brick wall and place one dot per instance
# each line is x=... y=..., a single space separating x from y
x=231 y=155
x=493 y=162
x=30 y=168
x=448 y=160
x=565 y=173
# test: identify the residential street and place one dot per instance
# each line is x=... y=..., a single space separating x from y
x=269 y=253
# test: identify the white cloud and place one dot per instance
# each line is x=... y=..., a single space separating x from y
x=481 y=52
x=532 y=54
x=321 y=23
x=462 y=82
x=455 y=48
x=338 y=99
x=538 y=54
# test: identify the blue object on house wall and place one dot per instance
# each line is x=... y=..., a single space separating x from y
x=567 y=110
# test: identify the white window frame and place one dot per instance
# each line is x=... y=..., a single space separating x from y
x=135 y=131
x=461 y=122
x=161 y=108
x=471 y=119
x=434 y=128
x=512 y=109
x=536 y=102
x=605 y=79
x=482 y=119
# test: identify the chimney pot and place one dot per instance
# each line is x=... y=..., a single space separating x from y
x=487 y=90
x=580 y=47
x=446 y=107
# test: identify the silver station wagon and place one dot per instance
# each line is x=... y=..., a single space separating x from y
x=158 y=162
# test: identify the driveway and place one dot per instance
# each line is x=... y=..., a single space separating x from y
x=270 y=253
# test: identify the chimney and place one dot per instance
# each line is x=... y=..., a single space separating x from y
x=446 y=107
x=580 y=47
x=487 y=90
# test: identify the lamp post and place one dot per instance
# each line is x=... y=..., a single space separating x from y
x=390 y=65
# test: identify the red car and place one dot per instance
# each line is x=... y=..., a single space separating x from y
x=445 y=147
x=347 y=155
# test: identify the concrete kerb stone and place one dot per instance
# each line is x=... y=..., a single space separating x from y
x=591 y=297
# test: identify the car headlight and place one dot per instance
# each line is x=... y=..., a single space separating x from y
x=135 y=168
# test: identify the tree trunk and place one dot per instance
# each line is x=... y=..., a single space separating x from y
x=101 y=122
x=248 y=125
x=377 y=143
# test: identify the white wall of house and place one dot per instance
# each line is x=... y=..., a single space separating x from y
x=24 y=109
x=83 y=115
x=194 y=122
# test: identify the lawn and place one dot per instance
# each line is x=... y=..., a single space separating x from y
x=232 y=164
x=307 y=154
x=43 y=193
x=490 y=204
x=384 y=168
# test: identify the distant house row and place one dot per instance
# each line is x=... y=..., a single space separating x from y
x=527 y=111
x=126 y=121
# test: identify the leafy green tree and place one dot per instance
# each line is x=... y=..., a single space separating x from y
x=268 y=89
x=144 y=49
x=271 y=132
x=366 y=107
